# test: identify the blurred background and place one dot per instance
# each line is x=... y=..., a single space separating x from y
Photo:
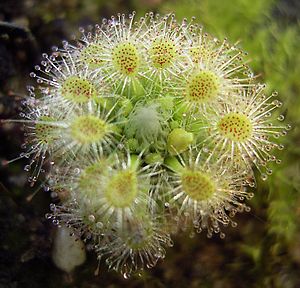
x=263 y=251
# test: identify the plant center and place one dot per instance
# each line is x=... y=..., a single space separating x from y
x=88 y=129
x=89 y=178
x=203 y=87
x=91 y=55
x=197 y=185
x=198 y=53
x=122 y=188
x=78 y=90
x=162 y=53
x=45 y=132
x=126 y=59
x=235 y=126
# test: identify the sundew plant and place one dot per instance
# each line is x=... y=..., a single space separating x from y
x=148 y=127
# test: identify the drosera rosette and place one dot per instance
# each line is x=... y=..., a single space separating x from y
x=243 y=132
x=145 y=120
x=140 y=244
x=206 y=195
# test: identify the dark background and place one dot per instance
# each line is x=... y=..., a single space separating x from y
x=263 y=251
